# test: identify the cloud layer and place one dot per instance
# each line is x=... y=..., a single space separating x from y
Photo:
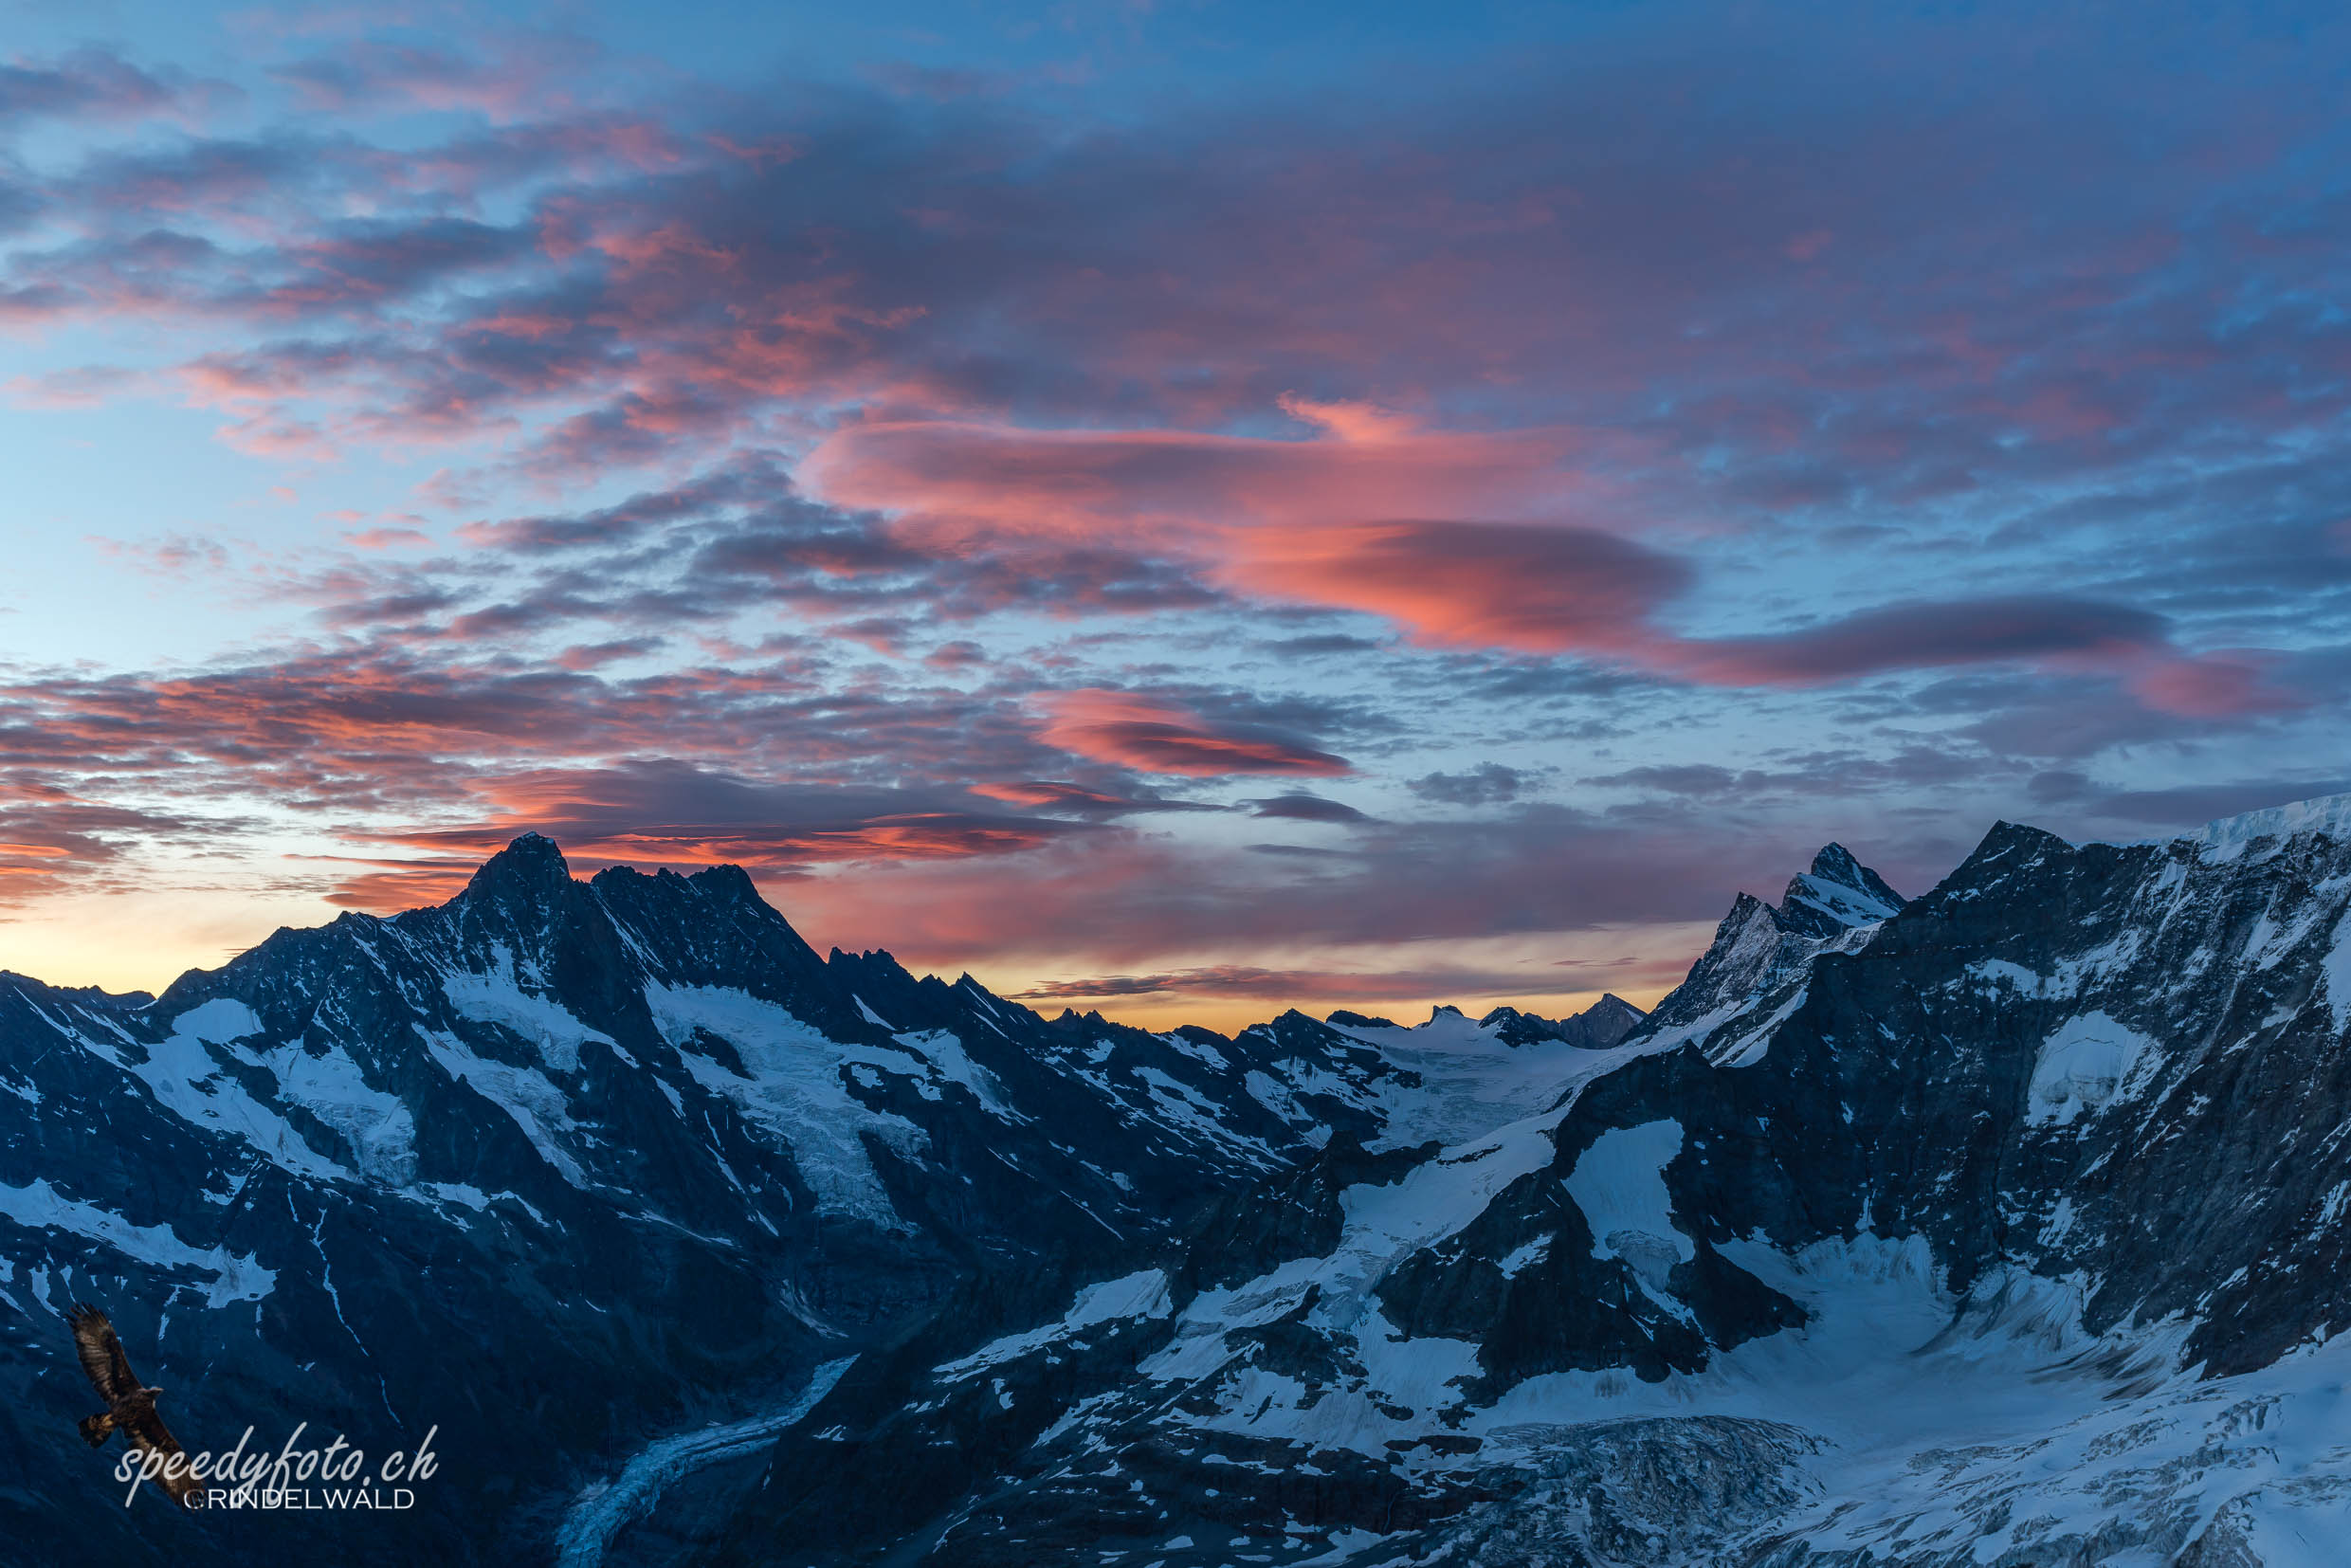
x=1062 y=517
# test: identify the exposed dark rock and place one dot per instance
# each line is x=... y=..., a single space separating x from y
x=601 y=1163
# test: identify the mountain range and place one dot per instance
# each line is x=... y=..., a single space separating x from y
x=2005 y=1225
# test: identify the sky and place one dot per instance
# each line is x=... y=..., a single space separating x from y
x=1183 y=509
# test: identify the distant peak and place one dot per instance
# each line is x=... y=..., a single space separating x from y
x=1597 y=1027
x=1836 y=894
x=1837 y=862
x=535 y=850
x=728 y=879
x=530 y=867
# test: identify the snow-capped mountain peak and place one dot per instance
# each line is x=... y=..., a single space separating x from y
x=2011 y=1223
x=1756 y=947
x=1836 y=894
x=2008 y=1224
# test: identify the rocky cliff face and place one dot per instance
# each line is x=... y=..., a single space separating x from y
x=2001 y=1226
x=2004 y=1225
x=564 y=1166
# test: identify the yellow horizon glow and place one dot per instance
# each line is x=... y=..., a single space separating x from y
x=1229 y=1016
x=143 y=939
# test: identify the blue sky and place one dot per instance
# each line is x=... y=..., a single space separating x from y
x=1186 y=509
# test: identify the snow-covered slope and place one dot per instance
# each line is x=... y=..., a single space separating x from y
x=2004 y=1226
x=630 y=1142
x=1831 y=907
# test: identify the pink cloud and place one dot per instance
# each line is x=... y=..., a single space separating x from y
x=1152 y=735
x=962 y=478
x=530 y=72
x=2228 y=684
x=387 y=538
x=1304 y=521
x=1529 y=589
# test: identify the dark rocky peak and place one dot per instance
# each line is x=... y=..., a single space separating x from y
x=1514 y=1026
x=1596 y=1028
x=1836 y=864
x=529 y=874
x=1836 y=895
x=721 y=895
x=992 y=1007
x=727 y=883
x=1293 y=1025
x=1613 y=1014
x=280 y=978
x=713 y=930
x=2014 y=861
x=882 y=984
x=1750 y=949
x=2008 y=847
x=718 y=907
x=523 y=903
x=1756 y=947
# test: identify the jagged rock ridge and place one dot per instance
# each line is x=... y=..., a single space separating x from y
x=2005 y=1225
x=630 y=1142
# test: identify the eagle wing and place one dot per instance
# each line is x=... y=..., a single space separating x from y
x=100 y=1350
x=147 y=1432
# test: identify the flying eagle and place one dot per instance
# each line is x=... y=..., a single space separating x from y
x=129 y=1404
